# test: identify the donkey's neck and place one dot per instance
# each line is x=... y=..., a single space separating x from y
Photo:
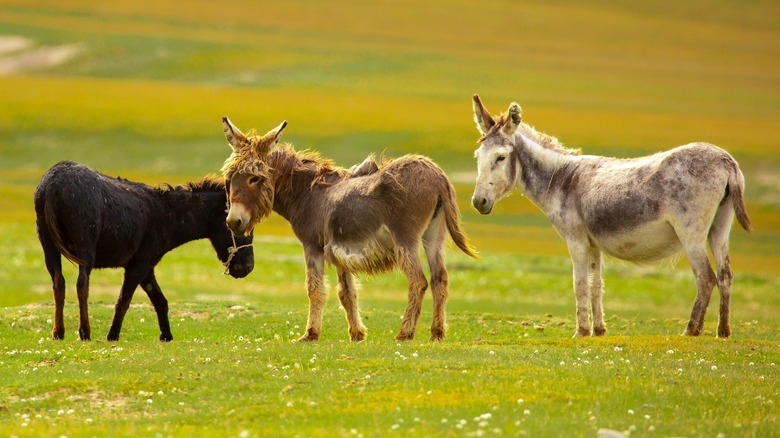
x=294 y=177
x=191 y=214
x=543 y=173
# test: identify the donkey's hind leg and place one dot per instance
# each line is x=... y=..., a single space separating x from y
x=82 y=291
x=53 y=261
x=696 y=251
x=719 y=244
x=433 y=242
x=348 y=295
x=409 y=262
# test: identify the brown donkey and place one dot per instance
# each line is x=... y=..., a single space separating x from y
x=370 y=218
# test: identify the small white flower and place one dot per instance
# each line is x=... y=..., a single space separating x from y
x=520 y=401
x=149 y=401
x=368 y=376
x=492 y=352
x=669 y=351
x=630 y=412
x=527 y=412
x=714 y=368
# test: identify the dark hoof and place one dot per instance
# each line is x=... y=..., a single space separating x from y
x=84 y=335
x=582 y=332
x=166 y=337
x=437 y=334
x=358 y=336
x=401 y=336
x=599 y=331
x=310 y=336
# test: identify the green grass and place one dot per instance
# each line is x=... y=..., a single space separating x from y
x=144 y=98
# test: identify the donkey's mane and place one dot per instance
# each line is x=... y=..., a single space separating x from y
x=209 y=183
x=285 y=161
x=545 y=140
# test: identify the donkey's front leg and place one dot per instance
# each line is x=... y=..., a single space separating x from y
x=133 y=276
x=579 y=258
x=315 y=264
x=597 y=292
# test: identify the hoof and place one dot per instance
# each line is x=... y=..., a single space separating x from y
x=358 y=336
x=691 y=332
x=724 y=332
x=112 y=338
x=599 y=331
x=310 y=336
x=581 y=333
x=401 y=336
x=437 y=334
x=166 y=337
x=58 y=335
x=84 y=335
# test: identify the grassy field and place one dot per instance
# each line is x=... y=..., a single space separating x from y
x=139 y=90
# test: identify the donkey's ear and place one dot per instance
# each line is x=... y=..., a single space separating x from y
x=482 y=117
x=234 y=136
x=277 y=132
x=514 y=116
x=270 y=139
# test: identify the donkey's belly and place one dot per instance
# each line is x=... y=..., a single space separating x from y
x=647 y=243
x=372 y=254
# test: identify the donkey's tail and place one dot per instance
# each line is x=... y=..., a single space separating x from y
x=737 y=191
x=452 y=218
x=56 y=233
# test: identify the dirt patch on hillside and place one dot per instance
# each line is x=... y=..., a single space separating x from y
x=19 y=55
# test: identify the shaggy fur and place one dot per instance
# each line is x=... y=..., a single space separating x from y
x=641 y=209
x=100 y=222
x=371 y=218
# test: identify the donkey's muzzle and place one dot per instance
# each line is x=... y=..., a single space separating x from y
x=237 y=225
x=237 y=219
x=482 y=204
x=241 y=270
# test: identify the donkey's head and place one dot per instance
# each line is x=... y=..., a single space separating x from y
x=249 y=178
x=497 y=161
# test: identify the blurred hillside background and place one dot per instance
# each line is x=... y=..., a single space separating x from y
x=137 y=89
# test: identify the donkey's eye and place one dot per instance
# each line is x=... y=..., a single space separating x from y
x=500 y=158
x=254 y=179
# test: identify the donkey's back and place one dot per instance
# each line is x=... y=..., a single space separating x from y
x=368 y=216
x=90 y=217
